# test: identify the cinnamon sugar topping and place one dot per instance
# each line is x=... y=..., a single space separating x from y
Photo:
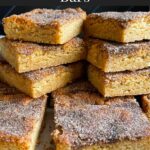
x=112 y=120
x=124 y=16
x=113 y=48
x=41 y=73
x=18 y=112
x=28 y=48
x=53 y=17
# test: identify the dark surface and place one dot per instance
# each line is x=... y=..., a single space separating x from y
x=71 y=3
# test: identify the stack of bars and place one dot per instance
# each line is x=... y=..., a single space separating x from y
x=37 y=69
x=40 y=53
x=119 y=68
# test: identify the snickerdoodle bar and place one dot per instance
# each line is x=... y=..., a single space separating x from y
x=120 y=83
x=39 y=82
x=21 y=118
x=87 y=121
x=119 y=26
x=25 y=56
x=115 y=57
x=45 y=25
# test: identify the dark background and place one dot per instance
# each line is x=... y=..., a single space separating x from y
x=89 y=7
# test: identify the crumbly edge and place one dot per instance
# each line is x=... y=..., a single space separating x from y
x=145 y=103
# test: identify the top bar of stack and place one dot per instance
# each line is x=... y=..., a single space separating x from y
x=42 y=44
x=119 y=26
x=45 y=25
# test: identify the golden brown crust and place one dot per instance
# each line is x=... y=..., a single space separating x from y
x=39 y=82
x=133 y=56
x=28 y=48
x=45 y=25
x=82 y=122
x=25 y=56
x=123 y=18
x=19 y=115
x=37 y=74
x=120 y=83
x=122 y=27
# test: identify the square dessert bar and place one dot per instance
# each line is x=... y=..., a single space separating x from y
x=119 y=26
x=39 y=82
x=87 y=121
x=21 y=118
x=45 y=25
x=114 y=57
x=120 y=83
x=145 y=101
x=25 y=56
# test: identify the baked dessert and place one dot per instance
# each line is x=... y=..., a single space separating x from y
x=120 y=83
x=145 y=101
x=39 y=82
x=45 y=25
x=119 y=26
x=87 y=121
x=20 y=119
x=25 y=56
x=115 y=57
